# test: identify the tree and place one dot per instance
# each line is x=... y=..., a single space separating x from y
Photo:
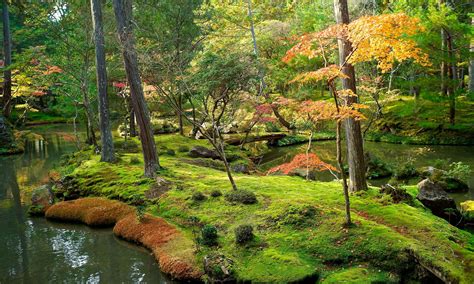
x=107 y=152
x=7 y=73
x=355 y=144
x=123 y=17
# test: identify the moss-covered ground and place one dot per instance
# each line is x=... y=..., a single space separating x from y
x=297 y=224
x=425 y=121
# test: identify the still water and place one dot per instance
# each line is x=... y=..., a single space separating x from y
x=34 y=250
x=393 y=154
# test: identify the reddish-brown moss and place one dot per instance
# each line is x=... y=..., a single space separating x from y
x=91 y=211
x=172 y=250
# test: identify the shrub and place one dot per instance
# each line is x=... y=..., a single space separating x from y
x=244 y=234
x=198 y=196
x=126 y=146
x=134 y=160
x=216 y=193
x=405 y=171
x=170 y=152
x=183 y=148
x=458 y=171
x=241 y=196
x=209 y=235
x=397 y=194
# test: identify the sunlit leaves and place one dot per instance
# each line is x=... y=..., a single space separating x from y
x=383 y=38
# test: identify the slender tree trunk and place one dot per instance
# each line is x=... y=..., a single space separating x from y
x=452 y=74
x=7 y=74
x=107 y=153
x=355 y=144
x=444 y=65
x=180 y=116
x=471 y=63
x=123 y=16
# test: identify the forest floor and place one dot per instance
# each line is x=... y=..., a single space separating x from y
x=297 y=223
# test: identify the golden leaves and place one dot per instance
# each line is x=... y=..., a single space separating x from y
x=323 y=74
x=385 y=38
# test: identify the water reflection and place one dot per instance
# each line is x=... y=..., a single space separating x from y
x=34 y=250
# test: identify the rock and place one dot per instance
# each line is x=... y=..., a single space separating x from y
x=427 y=172
x=203 y=152
x=449 y=184
x=240 y=168
x=467 y=209
x=219 y=268
x=433 y=196
x=41 y=199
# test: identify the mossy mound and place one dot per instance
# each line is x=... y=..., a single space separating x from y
x=297 y=224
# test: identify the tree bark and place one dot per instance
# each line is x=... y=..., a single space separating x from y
x=355 y=143
x=471 y=63
x=107 y=153
x=123 y=17
x=452 y=74
x=7 y=73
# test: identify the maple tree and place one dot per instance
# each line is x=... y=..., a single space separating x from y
x=309 y=161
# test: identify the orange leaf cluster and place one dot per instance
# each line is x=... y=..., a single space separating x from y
x=323 y=74
x=52 y=69
x=384 y=38
x=303 y=161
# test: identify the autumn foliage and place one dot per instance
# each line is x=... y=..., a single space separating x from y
x=309 y=161
x=383 y=38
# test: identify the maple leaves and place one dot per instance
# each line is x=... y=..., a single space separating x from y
x=384 y=38
x=307 y=161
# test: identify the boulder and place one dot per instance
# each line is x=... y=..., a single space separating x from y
x=203 y=152
x=240 y=168
x=157 y=189
x=449 y=184
x=433 y=196
x=41 y=199
x=467 y=208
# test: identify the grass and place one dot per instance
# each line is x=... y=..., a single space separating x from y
x=297 y=224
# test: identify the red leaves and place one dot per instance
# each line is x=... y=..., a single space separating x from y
x=303 y=161
x=52 y=69
x=119 y=85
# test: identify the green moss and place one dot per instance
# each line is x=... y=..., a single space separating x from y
x=359 y=275
x=297 y=224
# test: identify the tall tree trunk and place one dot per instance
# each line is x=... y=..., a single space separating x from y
x=452 y=74
x=355 y=144
x=180 y=115
x=261 y=72
x=471 y=63
x=123 y=17
x=107 y=153
x=7 y=74
x=444 y=64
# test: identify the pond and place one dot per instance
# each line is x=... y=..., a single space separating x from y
x=34 y=250
x=395 y=154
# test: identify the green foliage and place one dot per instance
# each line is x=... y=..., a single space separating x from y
x=243 y=234
x=140 y=212
x=183 y=149
x=134 y=160
x=241 y=196
x=209 y=235
x=459 y=170
x=405 y=171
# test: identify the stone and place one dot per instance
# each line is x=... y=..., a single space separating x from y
x=41 y=199
x=157 y=189
x=433 y=196
x=240 y=168
x=203 y=152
